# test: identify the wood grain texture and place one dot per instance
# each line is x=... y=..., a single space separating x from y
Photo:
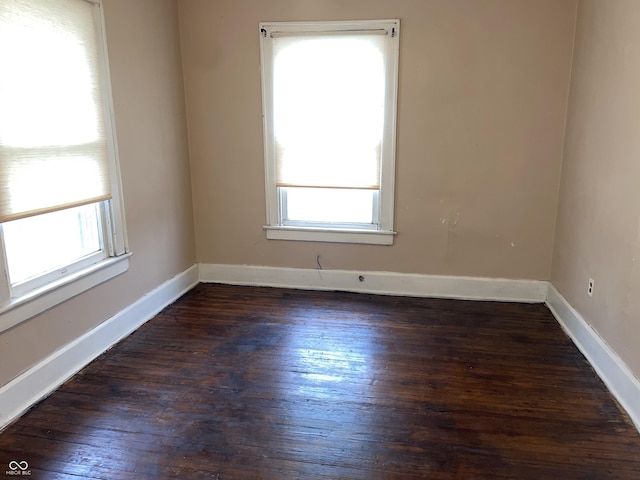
x=259 y=383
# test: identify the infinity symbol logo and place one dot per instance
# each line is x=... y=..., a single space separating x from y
x=13 y=465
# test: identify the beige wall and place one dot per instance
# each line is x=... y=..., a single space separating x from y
x=482 y=103
x=598 y=229
x=483 y=95
x=148 y=95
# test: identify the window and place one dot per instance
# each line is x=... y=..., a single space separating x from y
x=61 y=216
x=329 y=100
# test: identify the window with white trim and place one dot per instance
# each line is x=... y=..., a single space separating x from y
x=329 y=94
x=61 y=215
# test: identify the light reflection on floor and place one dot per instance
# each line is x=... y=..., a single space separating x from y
x=324 y=372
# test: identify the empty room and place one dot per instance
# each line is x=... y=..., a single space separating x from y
x=192 y=287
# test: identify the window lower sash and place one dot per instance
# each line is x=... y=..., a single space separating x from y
x=21 y=308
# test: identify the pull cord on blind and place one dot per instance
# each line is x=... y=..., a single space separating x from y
x=329 y=104
x=53 y=148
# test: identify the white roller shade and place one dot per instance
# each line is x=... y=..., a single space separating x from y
x=316 y=75
x=53 y=150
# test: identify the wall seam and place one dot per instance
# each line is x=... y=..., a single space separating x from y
x=564 y=144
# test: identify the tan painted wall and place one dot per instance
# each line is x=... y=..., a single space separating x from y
x=598 y=230
x=483 y=91
x=148 y=95
x=482 y=103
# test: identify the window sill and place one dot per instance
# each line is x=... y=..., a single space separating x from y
x=333 y=235
x=37 y=301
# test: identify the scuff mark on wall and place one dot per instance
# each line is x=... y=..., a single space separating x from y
x=452 y=223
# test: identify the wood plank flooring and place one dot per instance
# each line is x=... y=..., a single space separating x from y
x=259 y=383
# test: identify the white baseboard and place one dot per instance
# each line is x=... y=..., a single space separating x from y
x=618 y=378
x=610 y=368
x=40 y=380
x=384 y=283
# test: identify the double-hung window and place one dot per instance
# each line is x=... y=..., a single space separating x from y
x=329 y=102
x=61 y=216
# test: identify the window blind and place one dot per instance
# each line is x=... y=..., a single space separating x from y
x=328 y=94
x=53 y=147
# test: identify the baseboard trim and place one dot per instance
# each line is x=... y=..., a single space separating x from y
x=618 y=378
x=383 y=283
x=39 y=381
x=20 y=394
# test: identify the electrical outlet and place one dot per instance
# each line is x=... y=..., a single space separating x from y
x=590 y=287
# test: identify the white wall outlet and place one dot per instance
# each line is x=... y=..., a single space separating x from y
x=590 y=287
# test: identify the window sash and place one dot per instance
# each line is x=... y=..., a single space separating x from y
x=286 y=221
x=42 y=278
x=31 y=284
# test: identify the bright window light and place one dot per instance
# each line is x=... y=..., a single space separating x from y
x=40 y=244
x=329 y=102
x=329 y=110
x=64 y=103
x=330 y=205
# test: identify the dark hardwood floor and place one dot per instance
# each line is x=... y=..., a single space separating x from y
x=258 y=383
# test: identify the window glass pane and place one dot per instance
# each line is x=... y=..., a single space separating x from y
x=329 y=205
x=36 y=245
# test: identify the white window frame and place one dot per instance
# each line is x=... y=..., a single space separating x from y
x=21 y=302
x=275 y=228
